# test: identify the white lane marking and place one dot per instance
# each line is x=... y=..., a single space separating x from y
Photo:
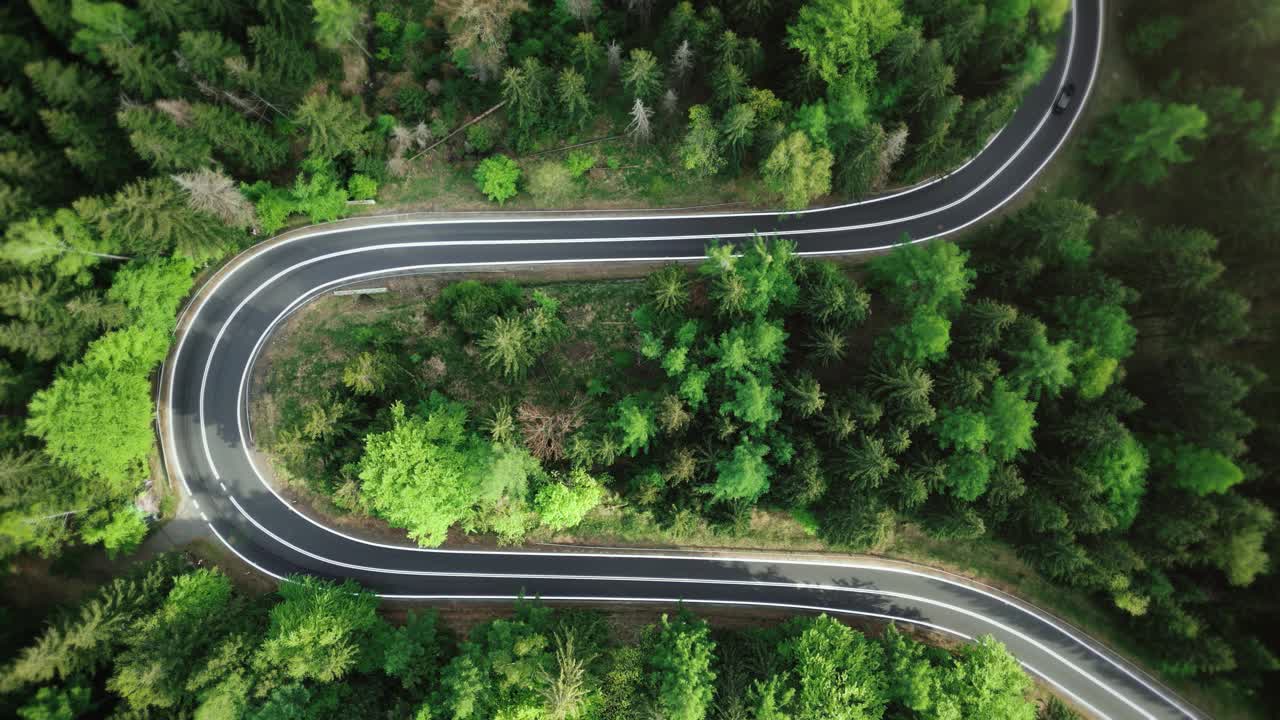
x=991 y=178
x=223 y=486
x=981 y=186
x=204 y=517
x=675 y=601
x=1071 y=43
x=1008 y=161
x=195 y=502
x=1061 y=141
x=421 y=267
x=242 y=557
x=707 y=581
x=204 y=432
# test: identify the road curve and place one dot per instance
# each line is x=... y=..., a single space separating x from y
x=208 y=446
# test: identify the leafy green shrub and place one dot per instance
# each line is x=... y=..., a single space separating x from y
x=272 y=205
x=362 y=187
x=317 y=196
x=563 y=505
x=496 y=177
x=579 y=162
x=480 y=138
x=320 y=197
x=122 y=534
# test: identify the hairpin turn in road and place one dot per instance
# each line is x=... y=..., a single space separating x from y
x=208 y=446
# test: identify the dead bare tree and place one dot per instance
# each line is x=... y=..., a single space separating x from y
x=582 y=10
x=614 y=52
x=481 y=29
x=894 y=145
x=682 y=61
x=640 y=129
x=545 y=431
x=209 y=191
x=422 y=135
x=401 y=139
x=179 y=110
x=670 y=102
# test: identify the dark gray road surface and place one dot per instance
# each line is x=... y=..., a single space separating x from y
x=207 y=441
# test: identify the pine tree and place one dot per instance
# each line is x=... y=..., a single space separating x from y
x=169 y=15
x=507 y=347
x=205 y=53
x=337 y=22
x=931 y=77
x=829 y=345
x=586 y=54
x=805 y=395
x=144 y=70
x=283 y=65
x=525 y=91
x=90 y=146
x=641 y=74
x=478 y=33
x=700 y=150
x=150 y=217
x=160 y=141
x=102 y=25
x=575 y=103
x=669 y=288
x=730 y=84
x=55 y=16
x=739 y=132
x=334 y=127
x=68 y=85
x=247 y=145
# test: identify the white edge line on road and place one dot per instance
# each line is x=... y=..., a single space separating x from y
x=678 y=601
x=991 y=178
x=1031 y=137
x=1075 y=117
x=707 y=581
x=831 y=588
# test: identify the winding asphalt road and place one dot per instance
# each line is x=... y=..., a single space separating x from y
x=207 y=443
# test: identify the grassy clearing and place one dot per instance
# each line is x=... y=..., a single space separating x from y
x=624 y=176
x=310 y=353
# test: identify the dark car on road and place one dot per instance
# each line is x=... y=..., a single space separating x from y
x=1064 y=98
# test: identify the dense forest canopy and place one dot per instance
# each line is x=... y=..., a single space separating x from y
x=140 y=142
x=177 y=641
x=1021 y=388
x=1091 y=379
